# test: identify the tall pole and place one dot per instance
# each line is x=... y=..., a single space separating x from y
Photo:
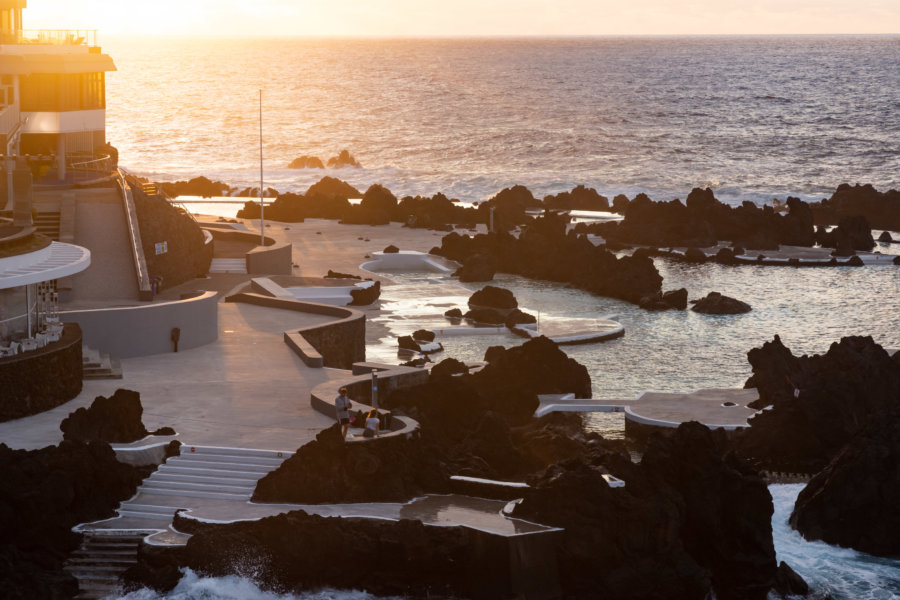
x=262 y=213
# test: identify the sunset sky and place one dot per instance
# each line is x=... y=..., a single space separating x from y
x=405 y=18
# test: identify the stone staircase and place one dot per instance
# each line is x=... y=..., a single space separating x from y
x=200 y=472
x=97 y=365
x=99 y=562
x=228 y=265
x=210 y=472
x=47 y=223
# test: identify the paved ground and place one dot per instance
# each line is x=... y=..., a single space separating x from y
x=246 y=390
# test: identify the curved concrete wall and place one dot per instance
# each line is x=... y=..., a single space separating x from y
x=142 y=330
x=341 y=342
x=270 y=260
x=39 y=380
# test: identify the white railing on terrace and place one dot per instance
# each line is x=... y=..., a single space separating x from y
x=67 y=37
x=9 y=119
x=89 y=163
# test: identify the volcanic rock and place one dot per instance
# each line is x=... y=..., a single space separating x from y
x=715 y=303
x=518 y=317
x=365 y=296
x=454 y=313
x=497 y=298
x=852 y=233
x=881 y=209
x=853 y=501
x=486 y=316
x=692 y=521
x=344 y=159
x=391 y=249
x=43 y=494
x=306 y=162
x=479 y=267
x=330 y=187
x=328 y=469
x=885 y=237
x=113 y=419
x=818 y=403
x=676 y=298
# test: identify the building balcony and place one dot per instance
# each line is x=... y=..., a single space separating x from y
x=57 y=37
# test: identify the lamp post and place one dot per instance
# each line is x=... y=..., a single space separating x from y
x=374 y=389
x=262 y=214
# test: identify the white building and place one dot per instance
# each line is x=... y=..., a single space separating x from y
x=52 y=100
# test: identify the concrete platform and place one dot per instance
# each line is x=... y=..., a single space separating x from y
x=724 y=408
x=247 y=389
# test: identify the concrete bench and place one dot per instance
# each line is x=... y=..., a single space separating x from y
x=266 y=286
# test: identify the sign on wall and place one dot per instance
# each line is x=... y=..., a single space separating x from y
x=162 y=247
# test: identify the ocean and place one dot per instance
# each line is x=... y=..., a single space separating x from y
x=752 y=117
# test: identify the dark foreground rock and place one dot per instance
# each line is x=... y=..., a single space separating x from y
x=692 y=520
x=715 y=303
x=43 y=494
x=818 y=403
x=113 y=419
x=297 y=552
x=853 y=501
x=331 y=470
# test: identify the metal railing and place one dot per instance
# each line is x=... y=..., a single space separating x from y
x=9 y=119
x=60 y=37
x=89 y=163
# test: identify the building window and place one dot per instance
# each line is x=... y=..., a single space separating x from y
x=53 y=92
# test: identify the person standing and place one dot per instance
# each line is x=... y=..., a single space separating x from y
x=342 y=406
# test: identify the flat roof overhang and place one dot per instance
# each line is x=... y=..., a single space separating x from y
x=66 y=64
x=53 y=262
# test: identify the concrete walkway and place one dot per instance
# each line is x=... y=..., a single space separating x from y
x=246 y=390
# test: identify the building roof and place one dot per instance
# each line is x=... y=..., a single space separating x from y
x=7 y=4
x=53 y=262
x=26 y=64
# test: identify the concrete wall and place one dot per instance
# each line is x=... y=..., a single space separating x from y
x=142 y=330
x=270 y=260
x=341 y=342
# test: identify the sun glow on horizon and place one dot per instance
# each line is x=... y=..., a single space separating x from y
x=433 y=18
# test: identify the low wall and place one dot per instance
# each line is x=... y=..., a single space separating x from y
x=359 y=387
x=36 y=381
x=271 y=260
x=130 y=331
x=341 y=342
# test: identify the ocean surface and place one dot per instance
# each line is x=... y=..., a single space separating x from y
x=752 y=117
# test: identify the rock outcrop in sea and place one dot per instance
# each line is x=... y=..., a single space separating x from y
x=702 y=221
x=818 y=403
x=544 y=250
x=881 y=209
x=692 y=521
x=853 y=501
x=715 y=303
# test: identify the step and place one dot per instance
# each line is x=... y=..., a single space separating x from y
x=212 y=479
x=279 y=454
x=247 y=463
x=98 y=561
x=237 y=463
x=147 y=508
x=207 y=472
x=228 y=265
x=150 y=484
x=198 y=494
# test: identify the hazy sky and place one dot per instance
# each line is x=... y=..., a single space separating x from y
x=464 y=17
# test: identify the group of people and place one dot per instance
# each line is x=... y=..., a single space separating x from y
x=342 y=406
